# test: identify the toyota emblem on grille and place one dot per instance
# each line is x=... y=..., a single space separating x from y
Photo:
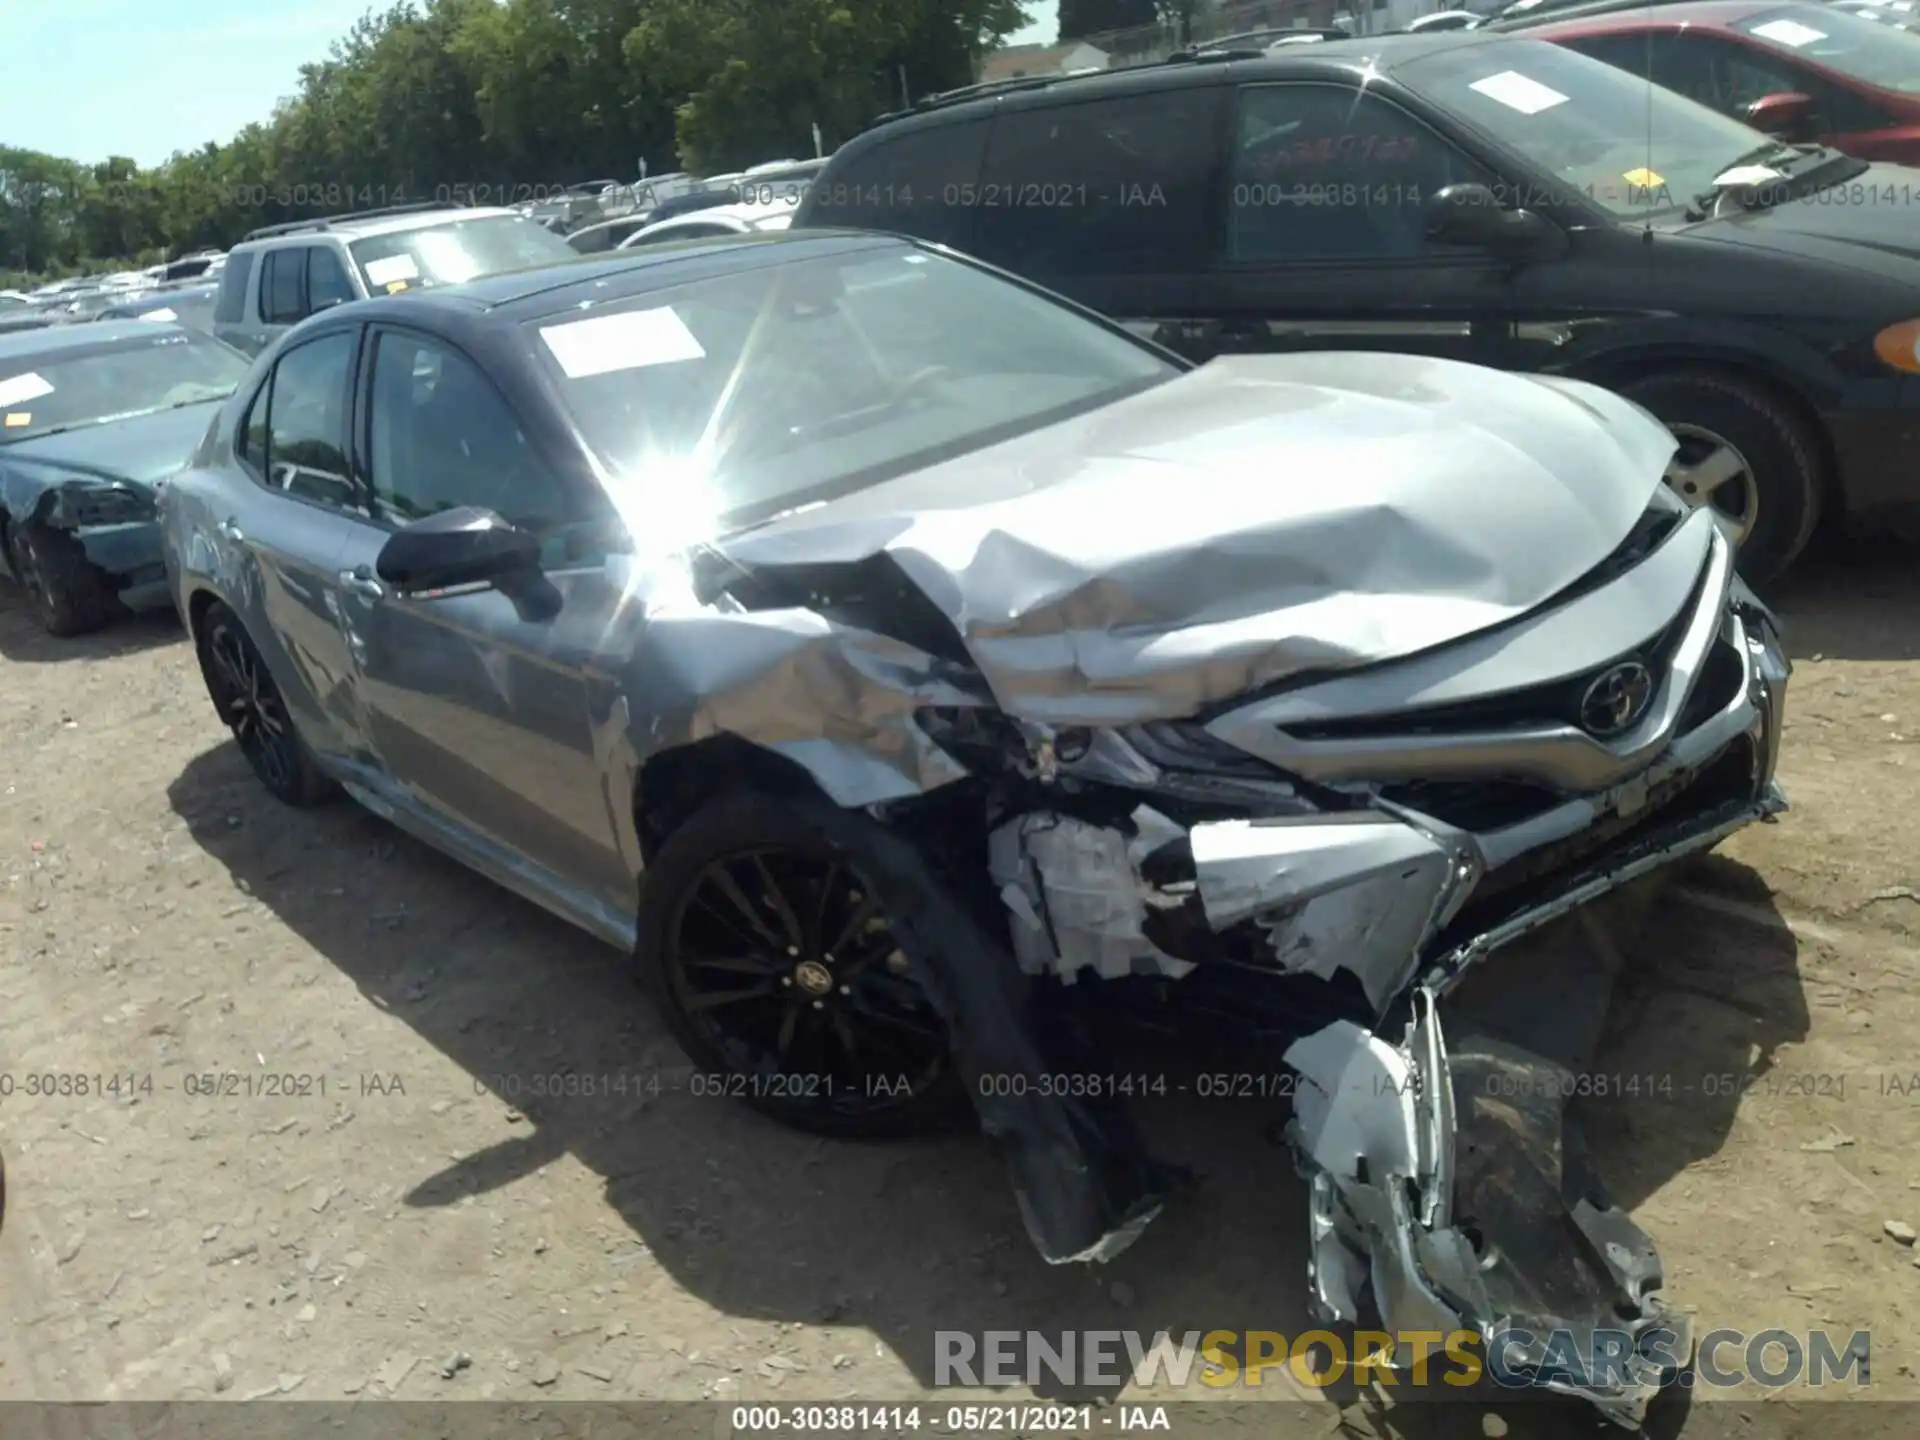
x=1617 y=699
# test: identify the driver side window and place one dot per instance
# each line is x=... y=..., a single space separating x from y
x=1323 y=172
x=442 y=437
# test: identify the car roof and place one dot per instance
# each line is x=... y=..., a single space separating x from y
x=1716 y=13
x=519 y=295
x=31 y=344
x=1344 y=59
x=752 y=214
x=359 y=229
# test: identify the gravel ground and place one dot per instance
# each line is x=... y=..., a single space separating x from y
x=406 y=1217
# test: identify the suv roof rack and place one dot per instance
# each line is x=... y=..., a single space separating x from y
x=1013 y=84
x=327 y=222
x=1550 y=10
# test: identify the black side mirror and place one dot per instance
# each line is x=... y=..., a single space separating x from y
x=468 y=546
x=1473 y=215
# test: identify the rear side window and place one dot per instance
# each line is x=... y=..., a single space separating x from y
x=1103 y=187
x=923 y=183
x=228 y=308
x=305 y=438
x=283 y=286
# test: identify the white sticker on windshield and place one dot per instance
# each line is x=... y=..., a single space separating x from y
x=21 y=388
x=621 y=342
x=390 y=268
x=1517 y=92
x=1790 y=33
x=163 y=313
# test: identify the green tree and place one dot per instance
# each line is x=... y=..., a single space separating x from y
x=502 y=99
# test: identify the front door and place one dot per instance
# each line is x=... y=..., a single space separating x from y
x=1325 y=242
x=291 y=526
x=487 y=711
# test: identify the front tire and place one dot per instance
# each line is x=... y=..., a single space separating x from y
x=1746 y=453
x=249 y=703
x=69 y=593
x=775 y=968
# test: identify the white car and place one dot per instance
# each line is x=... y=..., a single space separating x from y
x=720 y=220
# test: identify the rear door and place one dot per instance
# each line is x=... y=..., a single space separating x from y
x=234 y=318
x=1324 y=233
x=481 y=707
x=1105 y=200
x=291 y=525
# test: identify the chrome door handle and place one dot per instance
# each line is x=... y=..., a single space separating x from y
x=230 y=531
x=361 y=582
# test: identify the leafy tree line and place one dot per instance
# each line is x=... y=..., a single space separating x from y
x=493 y=100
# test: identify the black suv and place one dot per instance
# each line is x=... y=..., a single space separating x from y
x=1463 y=194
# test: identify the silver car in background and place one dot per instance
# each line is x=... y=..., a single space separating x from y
x=887 y=653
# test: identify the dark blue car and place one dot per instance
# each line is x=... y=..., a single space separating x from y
x=93 y=418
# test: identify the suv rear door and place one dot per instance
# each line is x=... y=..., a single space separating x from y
x=1104 y=199
x=234 y=318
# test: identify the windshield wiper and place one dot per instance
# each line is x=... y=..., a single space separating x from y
x=1701 y=206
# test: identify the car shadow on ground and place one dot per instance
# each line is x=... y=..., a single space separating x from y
x=1853 y=599
x=23 y=641
x=898 y=1240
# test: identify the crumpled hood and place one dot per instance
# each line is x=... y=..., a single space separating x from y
x=143 y=449
x=1250 y=520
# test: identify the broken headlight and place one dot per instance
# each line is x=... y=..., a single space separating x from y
x=82 y=504
x=1184 y=746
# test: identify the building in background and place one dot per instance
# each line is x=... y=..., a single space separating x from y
x=1017 y=60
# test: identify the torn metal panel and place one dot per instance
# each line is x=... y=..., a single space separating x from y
x=1449 y=1169
x=1466 y=499
x=1085 y=1186
x=1357 y=891
x=836 y=698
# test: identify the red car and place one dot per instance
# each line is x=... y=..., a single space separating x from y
x=1806 y=73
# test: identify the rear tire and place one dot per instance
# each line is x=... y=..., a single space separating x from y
x=774 y=967
x=1709 y=410
x=249 y=703
x=69 y=593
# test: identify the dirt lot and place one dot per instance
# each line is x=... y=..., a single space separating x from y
x=160 y=917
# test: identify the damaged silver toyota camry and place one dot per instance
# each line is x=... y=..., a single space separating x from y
x=887 y=652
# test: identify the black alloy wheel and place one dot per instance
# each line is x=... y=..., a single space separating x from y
x=69 y=593
x=778 y=972
x=250 y=705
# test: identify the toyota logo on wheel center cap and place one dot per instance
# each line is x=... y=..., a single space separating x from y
x=1616 y=699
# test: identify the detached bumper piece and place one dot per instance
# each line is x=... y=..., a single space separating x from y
x=1450 y=1189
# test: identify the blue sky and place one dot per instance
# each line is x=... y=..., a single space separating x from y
x=86 y=79
x=91 y=78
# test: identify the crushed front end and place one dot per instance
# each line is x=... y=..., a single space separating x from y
x=1385 y=831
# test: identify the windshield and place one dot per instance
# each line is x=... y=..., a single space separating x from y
x=739 y=397
x=1608 y=135
x=77 y=385
x=1884 y=55
x=459 y=250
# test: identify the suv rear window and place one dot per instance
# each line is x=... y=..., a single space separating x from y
x=233 y=288
x=924 y=183
x=458 y=250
